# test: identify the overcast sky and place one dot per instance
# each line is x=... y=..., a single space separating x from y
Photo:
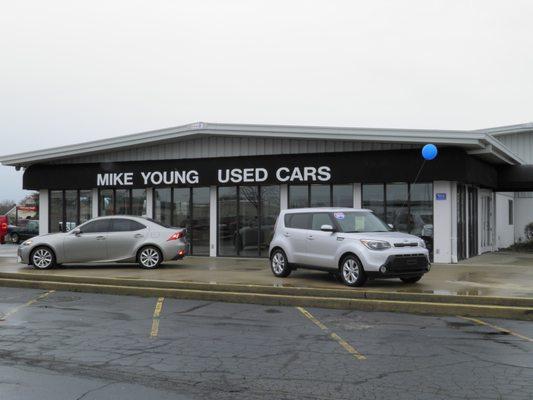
x=74 y=71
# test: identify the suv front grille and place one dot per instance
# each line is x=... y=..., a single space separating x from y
x=402 y=263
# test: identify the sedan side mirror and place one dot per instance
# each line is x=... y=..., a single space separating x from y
x=76 y=231
x=391 y=226
x=327 y=228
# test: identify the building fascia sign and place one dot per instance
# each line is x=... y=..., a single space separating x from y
x=319 y=168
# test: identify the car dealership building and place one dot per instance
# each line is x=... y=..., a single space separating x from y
x=227 y=182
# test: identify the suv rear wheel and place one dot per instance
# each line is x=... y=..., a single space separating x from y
x=352 y=272
x=279 y=264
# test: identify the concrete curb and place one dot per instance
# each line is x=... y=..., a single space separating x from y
x=363 y=304
x=351 y=293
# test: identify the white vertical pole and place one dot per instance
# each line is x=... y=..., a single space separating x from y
x=283 y=197
x=95 y=203
x=357 y=196
x=442 y=226
x=213 y=221
x=43 y=212
x=150 y=202
x=453 y=221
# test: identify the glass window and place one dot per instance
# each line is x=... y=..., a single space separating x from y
x=298 y=196
x=86 y=209
x=122 y=202
x=320 y=196
x=269 y=213
x=297 y=221
x=421 y=210
x=106 y=206
x=227 y=220
x=56 y=211
x=374 y=199
x=360 y=221
x=163 y=205
x=248 y=234
x=100 y=225
x=199 y=223
x=125 y=225
x=71 y=209
x=397 y=212
x=511 y=222
x=181 y=207
x=320 y=219
x=342 y=196
x=138 y=202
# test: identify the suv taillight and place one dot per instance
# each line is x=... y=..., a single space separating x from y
x=177 y=235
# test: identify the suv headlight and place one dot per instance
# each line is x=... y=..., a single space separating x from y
x=376 y=244
x=422 y=244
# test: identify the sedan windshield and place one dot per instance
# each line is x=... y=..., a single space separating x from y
x=360 y=221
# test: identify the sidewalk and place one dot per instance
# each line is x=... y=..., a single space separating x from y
x=495 y=275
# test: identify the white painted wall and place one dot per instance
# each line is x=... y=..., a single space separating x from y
x=505 y=233
x=442 y=222
x=357 y=195
x=283 y=197
x=150 y=202
x=94 y=203
x=523 y=214
x=43 y=211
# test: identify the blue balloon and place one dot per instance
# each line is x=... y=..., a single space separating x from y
x=429 y=151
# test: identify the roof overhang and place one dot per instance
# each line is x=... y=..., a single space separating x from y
x=479 y=144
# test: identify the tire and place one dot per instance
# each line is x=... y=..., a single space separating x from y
x=43 y=258
x=351 y=271
x=149 y=257
x=15 y=238
x=279 y=264
x=412 y=279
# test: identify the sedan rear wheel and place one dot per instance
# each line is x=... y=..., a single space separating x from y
x=352 y=272
x=43 y=258
x=150 y=257
x=15 y=238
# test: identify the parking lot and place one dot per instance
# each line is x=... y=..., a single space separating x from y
x=64 y=345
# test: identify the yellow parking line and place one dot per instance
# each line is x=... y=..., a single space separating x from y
x=155 y=318
x=498 y=328
x=29 y=303
x=343 y=343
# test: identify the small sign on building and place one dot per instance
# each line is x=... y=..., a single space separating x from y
x=440 y=196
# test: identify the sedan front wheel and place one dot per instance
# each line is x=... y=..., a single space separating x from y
x=43 y=258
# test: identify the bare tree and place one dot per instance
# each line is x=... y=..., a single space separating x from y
x=6 y=205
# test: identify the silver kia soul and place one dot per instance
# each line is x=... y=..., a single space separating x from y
x=351 y=242
x=107 y=239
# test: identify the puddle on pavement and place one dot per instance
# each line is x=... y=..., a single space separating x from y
x=272 y=311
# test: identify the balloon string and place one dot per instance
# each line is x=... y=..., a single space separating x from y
x=416 y=178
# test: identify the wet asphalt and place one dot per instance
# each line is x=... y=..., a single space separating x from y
x=67 y=345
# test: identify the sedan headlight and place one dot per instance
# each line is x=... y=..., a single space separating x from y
x=27 y=242
x=376 y=244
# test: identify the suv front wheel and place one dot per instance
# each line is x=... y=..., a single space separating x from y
x=279 y=264
x=352 y=272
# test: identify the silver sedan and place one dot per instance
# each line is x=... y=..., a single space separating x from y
x=107 y=239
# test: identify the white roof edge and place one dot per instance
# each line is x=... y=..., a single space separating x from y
x=508 y=129
x=449 y=137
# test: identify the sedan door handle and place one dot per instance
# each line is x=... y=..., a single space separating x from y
x=100 y=237
x=138 y=235
x=310 y=237
x=287 y=234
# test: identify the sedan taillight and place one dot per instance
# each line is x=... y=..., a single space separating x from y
x=177 y=235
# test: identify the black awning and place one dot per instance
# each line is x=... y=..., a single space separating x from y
x=515 y=178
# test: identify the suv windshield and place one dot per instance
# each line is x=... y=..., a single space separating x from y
x=359 y=221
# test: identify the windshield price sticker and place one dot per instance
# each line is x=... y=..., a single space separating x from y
x=338 y=215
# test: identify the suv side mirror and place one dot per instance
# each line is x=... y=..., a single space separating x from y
x=391 y=226
x=327 y=228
